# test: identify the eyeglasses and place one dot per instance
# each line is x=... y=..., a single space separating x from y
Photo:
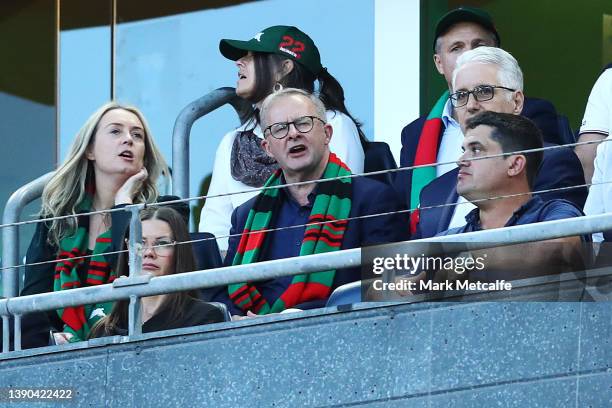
x=481 y=93
x=162 y=247
x=302 y=124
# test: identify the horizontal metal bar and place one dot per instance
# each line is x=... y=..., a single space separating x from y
x=184 y=281
x=304 y=264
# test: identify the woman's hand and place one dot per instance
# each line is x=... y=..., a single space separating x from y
x=62 y=337
x=126 y=193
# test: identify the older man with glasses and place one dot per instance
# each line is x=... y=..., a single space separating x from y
x=273 y=225
x=437 y=136
x=490 y=79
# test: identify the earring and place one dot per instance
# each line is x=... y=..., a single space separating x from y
x=278 y=87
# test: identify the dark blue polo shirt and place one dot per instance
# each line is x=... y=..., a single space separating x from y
x=285 y=243
x=534 y=210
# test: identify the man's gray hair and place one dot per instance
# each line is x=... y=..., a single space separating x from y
x=509 y=73
x=265 y=106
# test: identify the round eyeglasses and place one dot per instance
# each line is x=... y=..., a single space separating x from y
x=161 y=247
x=482 y=93
x=302 y=124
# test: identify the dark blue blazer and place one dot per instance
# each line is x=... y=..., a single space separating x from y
x=559 y=168
x=369 y=197
x=541 y=111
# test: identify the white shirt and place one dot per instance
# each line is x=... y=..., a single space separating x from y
x=600 y=195
x=450 y=145
x=450 y=151
x=598 y=112
x=216 y=214
x=598 y=119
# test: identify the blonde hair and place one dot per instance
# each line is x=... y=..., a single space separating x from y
x=66 y=189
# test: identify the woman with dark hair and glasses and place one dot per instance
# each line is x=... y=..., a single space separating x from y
x=165 y=252
x=275 y=58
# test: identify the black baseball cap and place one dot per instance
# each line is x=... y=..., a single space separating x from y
x=465 y=14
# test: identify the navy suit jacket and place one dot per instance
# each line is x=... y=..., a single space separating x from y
x=369 y=197
x=559 y=168
x=541 y=111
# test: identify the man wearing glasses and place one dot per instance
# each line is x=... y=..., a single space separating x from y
x=490 y=79
x=437 y=136
x=272 y=225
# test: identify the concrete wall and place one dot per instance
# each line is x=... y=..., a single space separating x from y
x=420 y=355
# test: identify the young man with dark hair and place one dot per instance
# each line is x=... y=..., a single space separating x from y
x=510 y=175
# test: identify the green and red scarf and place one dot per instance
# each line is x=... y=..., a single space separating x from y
x=332 y=203
x=79 y=320
x=426 y=153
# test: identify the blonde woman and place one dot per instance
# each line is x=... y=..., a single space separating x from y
x=112 y=162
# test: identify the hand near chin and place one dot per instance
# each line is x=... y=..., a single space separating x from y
x=127 y=192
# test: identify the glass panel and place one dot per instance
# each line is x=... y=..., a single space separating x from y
x=27 y=98
x=606 y=41
x=85 y=64
x=567 y=45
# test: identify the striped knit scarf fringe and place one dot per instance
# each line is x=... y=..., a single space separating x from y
x=426 y=153
x=79 y=320
x=332 y=202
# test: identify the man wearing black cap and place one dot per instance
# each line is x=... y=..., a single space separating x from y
x=276 y=57
x=437 y=137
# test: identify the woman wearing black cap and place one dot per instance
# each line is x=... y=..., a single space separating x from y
x=275 y=58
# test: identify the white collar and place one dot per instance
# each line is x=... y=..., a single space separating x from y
x=248 y=125
x=447 y=114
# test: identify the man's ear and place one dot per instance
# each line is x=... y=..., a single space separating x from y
x=438 y=63
x=328 y=133
x=517 y=165
x=265 y=145
x=519 y=101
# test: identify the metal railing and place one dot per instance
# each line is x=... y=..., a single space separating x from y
x=10 y=234
x=135 y=287
x=182 y=131
x=10 y=241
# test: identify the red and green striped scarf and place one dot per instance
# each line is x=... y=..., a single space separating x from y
x=78 y=320
x=426 y=153
x=332 y=202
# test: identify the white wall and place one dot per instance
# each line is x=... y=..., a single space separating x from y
x=396 y=69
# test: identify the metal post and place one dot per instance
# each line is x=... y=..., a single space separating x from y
x=134 y=316
x=10 y=235
x=17 y=332
x=6 y=335
x=135 y=248
x=10 y=243
x=182 y=130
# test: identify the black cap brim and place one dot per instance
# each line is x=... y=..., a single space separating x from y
x=236 y=49
x=463 y=15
